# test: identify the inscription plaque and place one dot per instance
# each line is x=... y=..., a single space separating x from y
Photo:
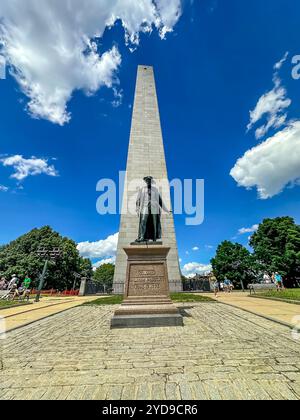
x=147 y=279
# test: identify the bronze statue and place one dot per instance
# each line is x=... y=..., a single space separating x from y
x=149 y=205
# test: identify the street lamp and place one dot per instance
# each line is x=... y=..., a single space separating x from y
x=48 y=255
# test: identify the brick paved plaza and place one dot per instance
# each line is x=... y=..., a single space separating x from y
x=221 y=353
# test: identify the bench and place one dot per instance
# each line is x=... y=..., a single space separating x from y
x=261 y=286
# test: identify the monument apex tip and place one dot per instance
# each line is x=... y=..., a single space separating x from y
x=144 y=67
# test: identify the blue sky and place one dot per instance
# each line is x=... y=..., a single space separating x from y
x=211 y=70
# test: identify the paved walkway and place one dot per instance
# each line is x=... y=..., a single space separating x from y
x=23 y=315
x=221 y=353
x=280 y=311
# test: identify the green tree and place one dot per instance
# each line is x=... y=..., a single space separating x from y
x=104 y=275
x=86 y=268
x=235 y=262
x=20 y=258
x=276 y=247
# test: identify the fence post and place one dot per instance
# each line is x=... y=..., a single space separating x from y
x=83 y=284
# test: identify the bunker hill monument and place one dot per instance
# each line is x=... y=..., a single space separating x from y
x=147 y=264
x=146 y=157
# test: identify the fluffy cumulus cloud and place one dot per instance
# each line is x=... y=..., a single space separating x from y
x=52 y=48
x=196 y=248
x=169 y=12
x=193 y=268
x=28 y=167
x=252 y=229
x=272 y=105
x=98 y=264
x=103 y=249
x=272 y=165
x=275 y=163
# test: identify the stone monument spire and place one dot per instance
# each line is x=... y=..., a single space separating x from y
x=146 y=157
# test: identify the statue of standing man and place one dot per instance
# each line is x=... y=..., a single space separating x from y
x=149 y=205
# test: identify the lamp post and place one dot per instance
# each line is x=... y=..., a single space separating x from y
x=48 y=255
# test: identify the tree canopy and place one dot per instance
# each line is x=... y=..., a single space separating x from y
x=276 y=247
x=20 y=258
x=234 y=262
x=104 y=275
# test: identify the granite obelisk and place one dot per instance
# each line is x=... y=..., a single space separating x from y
x=146 y=156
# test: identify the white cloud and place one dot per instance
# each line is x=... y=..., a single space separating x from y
x=3 y=188
x=209 y=246
x=28 y=167
x=118 y=95
x=52 y=48
x=272 y=165
x=193 y=268
x=169 y=12
x=271 y=105
x=280 y=63
x=195 y=248
x=252 y=229
x=103 y=249
x=98 y=264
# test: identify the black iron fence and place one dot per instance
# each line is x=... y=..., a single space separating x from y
x=93 y=288
x=196 y=285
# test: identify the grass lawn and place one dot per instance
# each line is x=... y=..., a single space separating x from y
x=176 y=297
x=109 y=300
x=189 y=297
x=10 y=304
x=287 y=294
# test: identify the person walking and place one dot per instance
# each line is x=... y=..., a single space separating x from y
x=26 y=288
x=27 y=282
x=227 y=284
x=267 y=278
x=278 y=281
x=216 y=288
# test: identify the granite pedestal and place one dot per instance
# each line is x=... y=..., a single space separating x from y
x=147 y=300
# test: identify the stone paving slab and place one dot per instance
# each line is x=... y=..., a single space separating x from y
x=23 y=315
x=288 y=313
x=221 y=353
